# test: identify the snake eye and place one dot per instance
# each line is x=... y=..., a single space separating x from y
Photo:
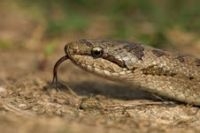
x=97 y=52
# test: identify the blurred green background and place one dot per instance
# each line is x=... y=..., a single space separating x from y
x=33 y=23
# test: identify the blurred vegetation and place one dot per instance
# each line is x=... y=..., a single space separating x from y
x=147 y=21
x=4 y=44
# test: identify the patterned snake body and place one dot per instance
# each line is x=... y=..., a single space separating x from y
x=169 y=75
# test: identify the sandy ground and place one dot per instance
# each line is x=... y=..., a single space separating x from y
x=83 y=103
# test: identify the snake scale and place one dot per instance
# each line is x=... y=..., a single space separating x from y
x=163 y=73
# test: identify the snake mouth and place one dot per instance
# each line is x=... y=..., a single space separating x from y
x=55 y=69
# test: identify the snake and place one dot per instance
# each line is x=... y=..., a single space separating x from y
x=166 y=74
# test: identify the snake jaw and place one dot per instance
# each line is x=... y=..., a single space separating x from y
x=100 y=67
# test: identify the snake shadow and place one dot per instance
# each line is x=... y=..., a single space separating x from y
x=118 y=91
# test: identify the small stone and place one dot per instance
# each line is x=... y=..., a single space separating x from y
x=22 y=106
x=3 y=91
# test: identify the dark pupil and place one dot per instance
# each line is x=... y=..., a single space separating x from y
x=96 y=53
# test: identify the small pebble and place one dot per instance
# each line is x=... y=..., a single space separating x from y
x=22 y=106
x=3 y=91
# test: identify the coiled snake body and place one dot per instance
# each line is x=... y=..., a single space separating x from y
x=169 y=75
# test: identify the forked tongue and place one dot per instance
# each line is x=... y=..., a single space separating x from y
x=55 y=69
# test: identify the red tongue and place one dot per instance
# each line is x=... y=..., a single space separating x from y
x=55 y=76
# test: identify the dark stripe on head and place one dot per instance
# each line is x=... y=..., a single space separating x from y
x=136 y=49
x=158 y=53
x=158 y=71
x=85 y=42
x=181 y=58
x=114 y=60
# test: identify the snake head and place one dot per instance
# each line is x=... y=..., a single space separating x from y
x=105 y=58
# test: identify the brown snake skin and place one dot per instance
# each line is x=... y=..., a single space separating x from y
x=160 y=72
